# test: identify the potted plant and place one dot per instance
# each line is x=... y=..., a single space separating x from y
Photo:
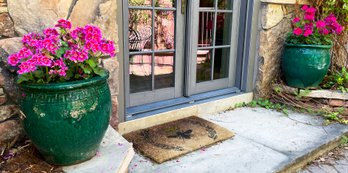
x=65 y=95
x=306 y=56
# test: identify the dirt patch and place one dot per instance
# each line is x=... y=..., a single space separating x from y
x=24 y=158
x=329 y=158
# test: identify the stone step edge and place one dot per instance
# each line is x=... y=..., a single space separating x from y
x=126 y=162
x=302 y=161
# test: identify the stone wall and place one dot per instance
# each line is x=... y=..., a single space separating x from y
x=19 y=17
x=275 y=24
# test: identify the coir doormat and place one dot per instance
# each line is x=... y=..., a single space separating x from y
x=168 y=141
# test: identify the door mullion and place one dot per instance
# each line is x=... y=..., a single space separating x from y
x=214 y=39
x=191 y=47
x=153 y=47
x=126 y=53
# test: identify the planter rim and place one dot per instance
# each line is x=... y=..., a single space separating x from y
x=66 y=85
x=309 y=46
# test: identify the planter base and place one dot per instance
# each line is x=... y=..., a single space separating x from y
x=114 y=155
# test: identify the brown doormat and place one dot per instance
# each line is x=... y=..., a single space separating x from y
x=168 y=141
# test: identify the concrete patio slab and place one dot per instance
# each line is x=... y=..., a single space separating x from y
x=265 y=141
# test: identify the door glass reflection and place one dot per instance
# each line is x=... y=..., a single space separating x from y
x=140 y=73
x=223 y=29
x=204 y=65
x=164 y=30
x=207 y=4
x=225 y=4
x=221 y=63
x=205 y=30
x=139 y=2
x=140 y=30
x=165 y=3
x=164 y=70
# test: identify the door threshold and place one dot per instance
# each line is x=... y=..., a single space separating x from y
x=135 y=112
x=198 y=108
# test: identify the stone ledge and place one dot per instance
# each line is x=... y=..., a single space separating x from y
x=318 y=94
x=3 y=10
x=114 y=155
x=284 y=1
x=198 y=109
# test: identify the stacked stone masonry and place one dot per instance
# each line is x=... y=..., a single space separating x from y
x=275 y=24
x=20 y=17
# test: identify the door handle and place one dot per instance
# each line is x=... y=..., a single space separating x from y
x=183 y=6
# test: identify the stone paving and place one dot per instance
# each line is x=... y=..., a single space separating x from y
x=266 y=141
x=333 y=162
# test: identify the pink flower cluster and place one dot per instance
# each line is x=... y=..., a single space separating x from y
x=64 y=24
x=60 y=48
x=59 y=67
x=332 y=25
x=309 y=26
x=309 y=13
x=77 y=55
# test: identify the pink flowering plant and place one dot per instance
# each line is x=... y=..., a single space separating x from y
x=308 y=30
x=61 y=54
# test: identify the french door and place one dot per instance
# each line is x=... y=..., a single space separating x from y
x=211 y=51
x=177 y=49
x=156 y=50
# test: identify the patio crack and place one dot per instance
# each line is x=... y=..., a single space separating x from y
x=273 y=149
x=305 y=123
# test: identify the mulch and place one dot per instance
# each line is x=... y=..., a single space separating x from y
x=24 y=158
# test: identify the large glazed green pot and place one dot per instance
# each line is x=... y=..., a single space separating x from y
x=305 y=66
x=67 y=121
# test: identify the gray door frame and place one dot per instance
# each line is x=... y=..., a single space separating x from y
x=135 y=99
x=247 y=64
x=191 y=50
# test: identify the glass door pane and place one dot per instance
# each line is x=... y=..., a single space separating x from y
x=205 y=31
x=164 y=70
x=214 y=32
x=212 y=37
x=152 y=50
x=140 y=73
x=225 y=4
x=204 y=65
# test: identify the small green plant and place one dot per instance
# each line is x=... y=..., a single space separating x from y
x=337 y=80
x=264 y=103
x=332 y=116
x=302 y=93
x=278 y=89
x=239 y=105
x=337 y=7
x=344 y=140
x=268 y=104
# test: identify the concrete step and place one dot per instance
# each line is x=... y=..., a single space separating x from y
x=266 y=141
x=114 y=156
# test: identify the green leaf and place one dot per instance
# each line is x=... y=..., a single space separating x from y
x=23 y=78
x=69 y=74
x=38 y=74
x=65 y=44
x=92 y=62
x=40 y=81
x=86 y=69
x=99 y=71
x=77 y=76
x=61 y=52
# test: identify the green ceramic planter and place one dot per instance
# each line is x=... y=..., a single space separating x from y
x=67 y=121
x=305 y=66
